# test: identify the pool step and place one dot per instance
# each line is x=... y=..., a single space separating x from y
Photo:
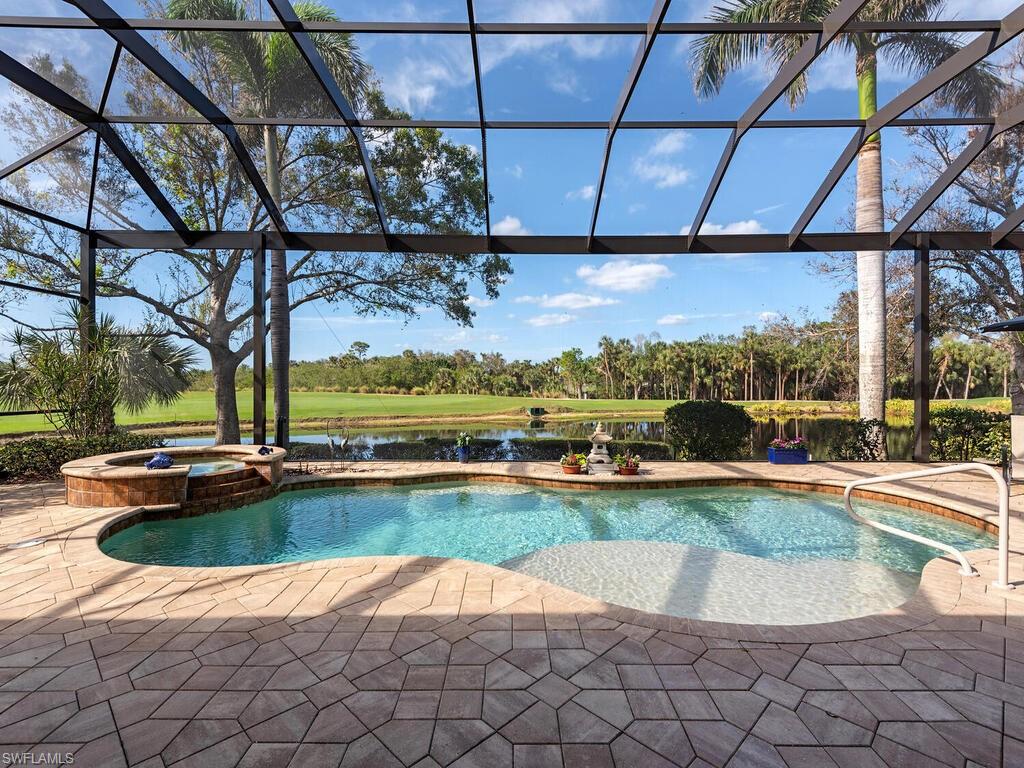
x=221 y=478
x=230 y=501
x=229 y=488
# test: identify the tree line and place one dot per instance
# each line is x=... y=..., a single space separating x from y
x=781 y=361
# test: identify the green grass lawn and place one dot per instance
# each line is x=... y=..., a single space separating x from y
x=198 y=407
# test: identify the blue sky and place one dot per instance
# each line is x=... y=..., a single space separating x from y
x=543 y=182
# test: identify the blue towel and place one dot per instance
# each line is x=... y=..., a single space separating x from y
x=159 y=461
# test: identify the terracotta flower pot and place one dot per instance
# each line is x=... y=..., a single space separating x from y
x=571 y=469
x=629 y=470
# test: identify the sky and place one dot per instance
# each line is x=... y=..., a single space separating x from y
x=543 y=182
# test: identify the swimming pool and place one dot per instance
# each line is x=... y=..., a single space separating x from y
x=680 y=551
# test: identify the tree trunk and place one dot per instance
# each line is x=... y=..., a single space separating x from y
x=967 y=384
x=942 y=376
x=871 y=331
x=224 y=367
x=280 y=320
x=1017 y=374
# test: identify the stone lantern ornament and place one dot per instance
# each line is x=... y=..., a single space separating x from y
x=598 y=460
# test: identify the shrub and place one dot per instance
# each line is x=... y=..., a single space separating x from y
x=963 y=434
x=853 y=440
x=552 y=448
x=439 y=449
x=299 y=451
x=40 y=458
x=708 y=430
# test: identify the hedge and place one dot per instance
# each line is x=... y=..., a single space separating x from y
x=40 y=458
x=964 y=434
x=709 y=430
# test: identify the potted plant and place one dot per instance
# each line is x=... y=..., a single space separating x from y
x=627 y=463
x=573 y=463
x=783 y=450
x=462 y=447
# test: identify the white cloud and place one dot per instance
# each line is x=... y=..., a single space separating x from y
x=635 y=208
x=476 y=301
x=510 y=225
x=671 y=143
x=465 y=336
x=673 y=319
x=516 y=171
x=570 y=300
x=664 y=175
x=586 y=192
x=767 y=317
x=567 y=83
x=768 y=209
x=544 y=321
x=653 y=165
x=624 y=275
x=744 y=227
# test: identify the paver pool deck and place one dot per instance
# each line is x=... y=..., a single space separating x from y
x=403 y=661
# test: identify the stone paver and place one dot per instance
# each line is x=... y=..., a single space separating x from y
x=423 y=661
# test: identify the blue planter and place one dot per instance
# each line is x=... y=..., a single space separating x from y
x=462 y=453
x=787 y=455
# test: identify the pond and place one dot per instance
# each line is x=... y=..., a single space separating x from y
x=814 y=429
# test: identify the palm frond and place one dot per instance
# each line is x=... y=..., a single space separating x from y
x=974 y=92
x=713 y=57
x=901 y=10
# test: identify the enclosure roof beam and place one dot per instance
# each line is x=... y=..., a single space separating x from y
x=814 y=46
x=293 y=24
x=478 y=82
x=506 y=28
x=46 y=291
x=43 y=89
x=643 y=51
x=25 y=211
x=1010 y=223
x=626 y=245
x=115 y=26
x=1008 y=119
x=512 y=125
x=955 y=65
x=46 y=149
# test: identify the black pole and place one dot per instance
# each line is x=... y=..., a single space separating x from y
x=922 y=350
x=259 y=342
x=87 y=289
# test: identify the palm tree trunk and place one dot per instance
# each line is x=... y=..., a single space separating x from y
x=871 y=331
x=280 y=320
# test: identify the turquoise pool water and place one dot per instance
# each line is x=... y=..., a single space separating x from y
x=494 y=523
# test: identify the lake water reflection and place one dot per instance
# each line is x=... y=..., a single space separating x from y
x=815 y=430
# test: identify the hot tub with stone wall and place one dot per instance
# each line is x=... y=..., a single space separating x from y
x=202 y=479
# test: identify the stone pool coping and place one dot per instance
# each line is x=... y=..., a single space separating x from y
x=940 y=589
x=113 y=465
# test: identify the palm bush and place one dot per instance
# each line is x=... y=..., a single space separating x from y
x=79 y=387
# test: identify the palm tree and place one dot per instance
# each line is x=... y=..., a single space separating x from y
x=915 y=53
x=273 y=80
x=78 y=387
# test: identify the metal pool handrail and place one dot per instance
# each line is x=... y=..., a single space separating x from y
x=1003 y=580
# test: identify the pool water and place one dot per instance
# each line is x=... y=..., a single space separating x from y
x=723 y=554
x=210 y=466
